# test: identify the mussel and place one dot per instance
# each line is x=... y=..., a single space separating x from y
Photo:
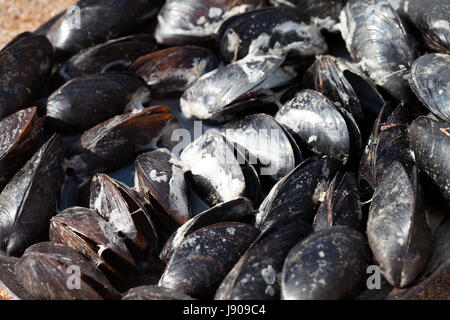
x=51 y=271
x=25 y=67
x=69 y=111
x=154 y=293
x=173 y=70
x=19 y=135
x=30 y=198
x=398 y=234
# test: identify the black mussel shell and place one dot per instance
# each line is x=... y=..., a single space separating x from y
x=430 y=141
x=318 y=123
x=114 y=55
x=430 y=81
x=265 y=143
x=115 y=142
x=239 y=210
x=398 y=234
x=342 y=82
x=85 y=231
x=192 y=21
x=215 y=173
x=173 y=70
x=124 y=210
x=154 y=293
x=89 y=100
x=215 y=95
x=47 y=271
x=299 y=193
x=255 y=276
x=92 y=22
x=31 y=197
x=377 y=41
x=19 y=135
x=25 y=67
x=161 y=182
x=341 y=206
x=329 y=264
x=205 y=257
x=431 y=19
x=277 y=31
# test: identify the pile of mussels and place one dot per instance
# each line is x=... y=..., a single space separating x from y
x=326 y=153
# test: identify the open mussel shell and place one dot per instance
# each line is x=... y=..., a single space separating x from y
x=277 y=31
x=255 y=276
x=265 y=143
x=110 y=94
x=215 y=95
x=19 y=135
x=432 y=21
x=89 y=23
x=215 y=173
x=26 y=66
x=124 y=210
x=30 y=199
x=317 y=122
x=161 y=182
x=205 y=257
x=380 y=46
x=341 y=206
x=299 y=193
x=329 y=264
x=239 y=210
x=192 y=21
x=398 y=234
x=47 y=269
x=430 y=81
x=154 y=293
x=85 y=231
x=343 y=82
x=173 y=70
x=430 y=141
x=114 y=55
x=113 y=143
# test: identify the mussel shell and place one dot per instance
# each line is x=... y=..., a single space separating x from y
x=122 y=208
x=69 y=111
x=19 y=135
x=99 y=21
x=25 y=66
x=212 y=95
x=272 y=31
x=191 y=21
x=255 y=276
x=44 y=271
x=431 y=144
x=329 y=264
x=205 y=257
x=162 y=184
x=154 y=293
x=432 y=20
x=31 y=197
x=341 y=206
x=114 y=142
x=114 y=55
x=318 y=123
x=85 y=231
x=377 y=40
x=430 y=81
x=173 y=70
x=214 y=172
x=237 y=210
x=299 y=193
x=265 y=143
x=323 y=9
x=398 y=234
